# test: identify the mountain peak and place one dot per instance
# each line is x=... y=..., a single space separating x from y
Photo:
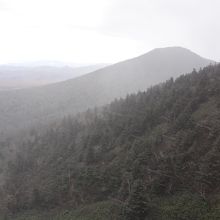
x=173 y=51
x=96 y=88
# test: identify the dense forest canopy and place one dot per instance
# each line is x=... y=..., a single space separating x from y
x=152 y=155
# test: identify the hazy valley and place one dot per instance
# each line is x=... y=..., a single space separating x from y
x=14 y=77
x=23 y=108
x=135 y=140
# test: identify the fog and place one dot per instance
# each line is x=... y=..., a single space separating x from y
x=109 y=110
x=105 y=31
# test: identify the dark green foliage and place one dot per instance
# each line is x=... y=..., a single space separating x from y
x=184 y=207
x=108 y=210
x=162 y=143
x=137 y=205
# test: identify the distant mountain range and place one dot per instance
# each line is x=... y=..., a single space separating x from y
x=26 y=76
x=25 y=107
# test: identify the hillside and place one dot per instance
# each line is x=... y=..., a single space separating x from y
x=19 y=77
x=23 y=108
x=153 y=155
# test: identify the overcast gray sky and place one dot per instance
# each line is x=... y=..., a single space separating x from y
x=94 y=31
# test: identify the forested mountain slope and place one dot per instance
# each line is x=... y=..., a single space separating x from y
x=23 y=108
x=153 y=155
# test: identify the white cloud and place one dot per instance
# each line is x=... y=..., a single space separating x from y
x=105 y=30
x=59 y=30
x=160 y=23
x=50 y=12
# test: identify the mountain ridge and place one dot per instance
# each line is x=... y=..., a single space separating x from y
x=22 y=108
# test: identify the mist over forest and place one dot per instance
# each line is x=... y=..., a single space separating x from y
x=109 y=110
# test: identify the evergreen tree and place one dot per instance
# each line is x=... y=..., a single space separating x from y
x=137 y=205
